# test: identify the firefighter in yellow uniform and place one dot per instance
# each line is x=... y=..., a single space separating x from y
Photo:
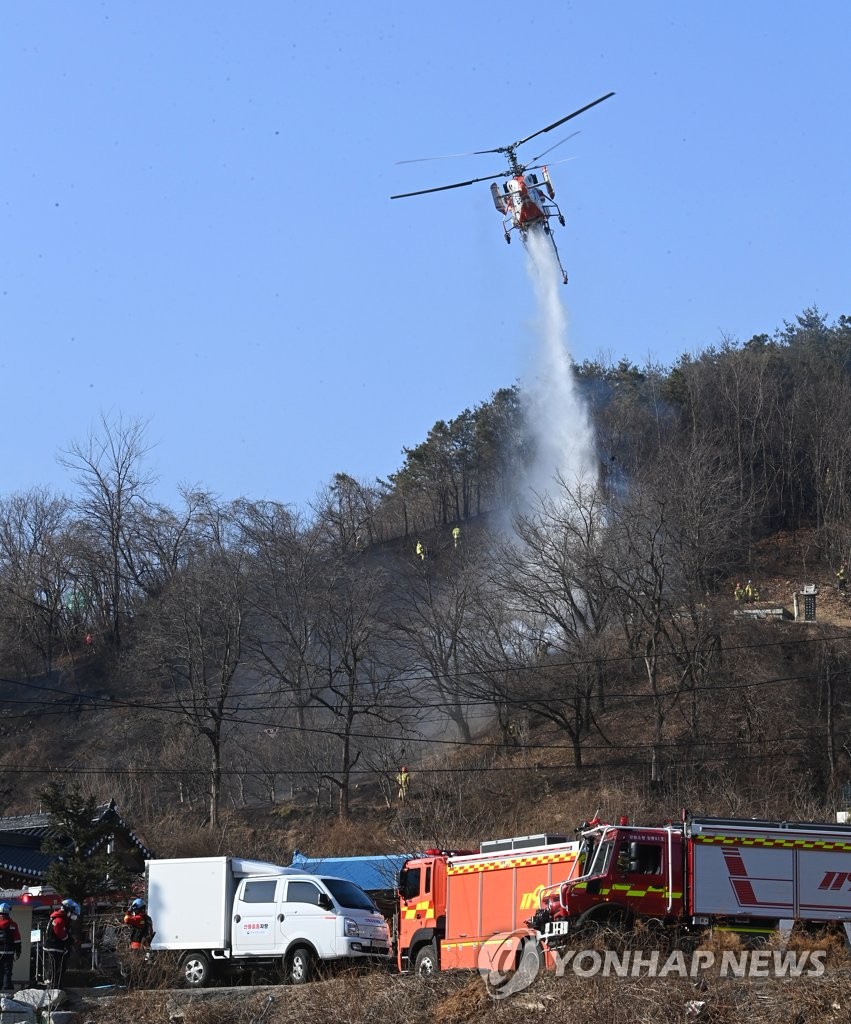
x=402 y=780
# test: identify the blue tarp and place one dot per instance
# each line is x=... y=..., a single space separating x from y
x=372 y=874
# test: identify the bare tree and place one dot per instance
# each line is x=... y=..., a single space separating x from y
x=669 y=626
x=195 y=637
x=287 y=571
x=113 y=487
x=160 y=541
x=348 y=510
x=39 y=616
x=431 y=610
x=537 y=646
x=351 y=681
x=640 y=570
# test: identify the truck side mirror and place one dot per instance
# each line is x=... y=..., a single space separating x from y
x=325 y=902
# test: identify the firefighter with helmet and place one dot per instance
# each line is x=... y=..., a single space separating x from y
x=140 y=924
x=10 y=945
x=58 y=941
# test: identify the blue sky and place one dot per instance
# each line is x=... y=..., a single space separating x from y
x=197 y=231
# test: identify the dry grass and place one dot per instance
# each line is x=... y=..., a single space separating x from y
x=460 y=998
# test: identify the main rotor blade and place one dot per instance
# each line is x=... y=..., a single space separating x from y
x=423 y=159
x=565 y=139
x=444 y=188
x=555 y=124
x=550 y=163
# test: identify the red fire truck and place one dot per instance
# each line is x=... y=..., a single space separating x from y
x=744 y=874
x=452 y=905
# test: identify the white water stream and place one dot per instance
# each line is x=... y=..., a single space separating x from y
x=554 y=411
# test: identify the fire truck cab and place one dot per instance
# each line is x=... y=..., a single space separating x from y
x=454 y=907
x=743 y=874
x=422 y=916
x=628 y=872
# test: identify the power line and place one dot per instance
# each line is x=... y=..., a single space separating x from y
x=540 y=769
x=84 y=702
x=407 y=680
x=427 y=678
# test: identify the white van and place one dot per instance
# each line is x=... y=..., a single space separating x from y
x=226 y=915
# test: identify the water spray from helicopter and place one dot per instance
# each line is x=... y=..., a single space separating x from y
x=555 y=413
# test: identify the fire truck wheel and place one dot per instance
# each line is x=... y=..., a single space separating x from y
x=531 y=958
x=425 y=963
x=301 y=966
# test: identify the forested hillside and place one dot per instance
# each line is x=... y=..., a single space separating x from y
x=241 y=658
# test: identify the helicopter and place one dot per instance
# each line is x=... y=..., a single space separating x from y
x=526 y=202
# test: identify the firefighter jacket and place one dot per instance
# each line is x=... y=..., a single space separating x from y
x=141 y=929
x=10 y=937
x=57 y=938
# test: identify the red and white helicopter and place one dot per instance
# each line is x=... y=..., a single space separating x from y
x=525 y=201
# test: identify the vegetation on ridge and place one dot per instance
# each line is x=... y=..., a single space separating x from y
x=233 y=656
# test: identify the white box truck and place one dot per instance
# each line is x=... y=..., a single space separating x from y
x=225 y=915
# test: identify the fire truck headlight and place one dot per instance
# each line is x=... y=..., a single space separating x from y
x=350 y=929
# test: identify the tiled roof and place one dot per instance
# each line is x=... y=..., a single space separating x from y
x=21 y=838
x=40 y=822
x=28 y=863
x=32 y=824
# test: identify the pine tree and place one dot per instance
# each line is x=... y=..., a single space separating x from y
x=85 y=864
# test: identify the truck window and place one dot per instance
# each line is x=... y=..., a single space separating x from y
x=349 y=895
x=259 y=892
x=602 y=858
x=645 y=858
x=303 y=892
x=409 y=883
